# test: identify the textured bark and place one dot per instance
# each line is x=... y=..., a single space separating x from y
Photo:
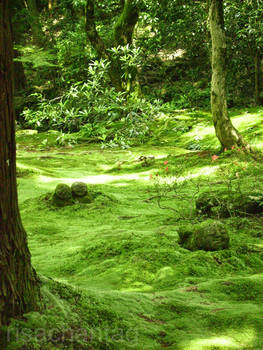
x=225 y=131
x=92 y=33
x=258 y=78
x=100 y=47
x=19 y=290
x=123 y=32
x=126 y=23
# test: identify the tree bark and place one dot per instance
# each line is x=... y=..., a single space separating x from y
x=123 y=32
x=258 y=78
x=100 y=47
x=19 y=287
x=225 y=131
x=126 y=23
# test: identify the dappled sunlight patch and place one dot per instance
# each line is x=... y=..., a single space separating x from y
x=102 y=179
x=245 y=336
x=170 y=179
x=119 y=180
x=138 y=287
x=214 y=343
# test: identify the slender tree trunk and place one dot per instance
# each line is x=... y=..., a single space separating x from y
x=258 y=78
x=100 y=47
x=126 y=23
x=37 y=32
x=123 y=32
x=225 y=131
x=19 y=289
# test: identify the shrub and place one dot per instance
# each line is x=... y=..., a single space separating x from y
x=97 y=112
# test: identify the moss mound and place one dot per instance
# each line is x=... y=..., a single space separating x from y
x=210 y=235
x=222 y=203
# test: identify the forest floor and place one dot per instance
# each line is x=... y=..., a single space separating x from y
x=122 y=274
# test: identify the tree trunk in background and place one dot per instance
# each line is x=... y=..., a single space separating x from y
x=19 y=73
x=19 y=288
x=20 y=78
x=126 y=23
x=225 y=131
x=100 y=47
x=17 y=38
x=258 y=77
x=123 y=32
x=37 y=32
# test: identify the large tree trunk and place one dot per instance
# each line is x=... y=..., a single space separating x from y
x=225 y=131
x=258 y=77
x=19 y=289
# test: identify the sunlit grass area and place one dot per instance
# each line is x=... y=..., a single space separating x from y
x=122 y=269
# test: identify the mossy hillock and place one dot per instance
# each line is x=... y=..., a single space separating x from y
x=209 y=235
x=223 y=203
x=65 y=195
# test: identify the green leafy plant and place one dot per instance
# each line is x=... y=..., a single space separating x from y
x=98 y=112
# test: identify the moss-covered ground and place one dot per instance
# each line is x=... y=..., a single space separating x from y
x=124 y=281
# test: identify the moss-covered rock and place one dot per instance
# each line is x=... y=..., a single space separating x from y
x=223 y=203
x=63 y=192
x=210 y=235
x=79 y=189
x=62 y=196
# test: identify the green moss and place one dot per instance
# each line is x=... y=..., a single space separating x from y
x=24 y=172
x=116 y=263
